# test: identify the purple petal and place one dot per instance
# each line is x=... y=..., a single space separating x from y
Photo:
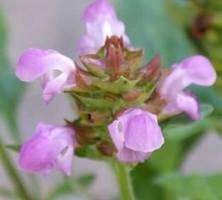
x=116 y=133
x=54 y=87
x=101 y=21
x=50 y=147
x=130 y=156
x=194 y=70
x=55 y=69
x=173 y=83
x=118 y=127
x=184 y=102
x=35 y=62
x=143 y=134
x=171 y=109
x=199 y=71
x=189 y=104
x=64 y=160
x=99 y=8
x=135 y=134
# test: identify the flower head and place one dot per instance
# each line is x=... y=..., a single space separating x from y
x=57 y=71
x=101 y=22
x=136 y=134
x=193 y=70
x=50 y=147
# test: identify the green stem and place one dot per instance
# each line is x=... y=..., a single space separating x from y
x=13 y=174
x=124 y=181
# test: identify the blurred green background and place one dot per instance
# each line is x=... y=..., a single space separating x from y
x=188 y=167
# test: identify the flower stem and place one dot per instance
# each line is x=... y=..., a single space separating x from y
x=13 y=174
x=124 y=181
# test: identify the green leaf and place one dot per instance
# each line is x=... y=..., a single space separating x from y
x=172 y=151
x=117 y=87
x=209 y=96
x=206 y=110
x=92 y=93
x=143 y=179
x=178 y=135
x=149 y=26
x=192 y=187
x=86 y=180
x=13 y=147
x=95 y=103
x=10 y=87
x=64 y=188
x=88 y=151
x=180 y=132
x=181 y=128
x=96 y=70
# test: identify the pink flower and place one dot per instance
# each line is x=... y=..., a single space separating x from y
x=50 y=147
x=193 y=70
x=101 y=22
x=136 y=134
x=57 y=71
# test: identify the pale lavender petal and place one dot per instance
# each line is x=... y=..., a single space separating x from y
x=136 y=134
x=131 y=112
x=64 y=160
x=143 y=134
x=35 y=158
x=189 y=104
x=86 y=45
x=193 y=70
x=56 y=70
x=98 y=9
x=173 y=83
x=116 y=133
x=171 y=109
x=101 y=21
x=54 y=87
x=117 y=129
x=35 y=62
x=130 y=156
x=50 y=147
x=199 y=71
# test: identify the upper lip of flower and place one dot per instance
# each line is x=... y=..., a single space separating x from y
x=193 y=70
x=35 y=63
x=101 y=21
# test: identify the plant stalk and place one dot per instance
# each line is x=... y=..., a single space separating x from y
x=13 y=174
x=124 y=181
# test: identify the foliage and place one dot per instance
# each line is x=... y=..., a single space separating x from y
x=190 y=187
x=11 y=88
x=149 y=26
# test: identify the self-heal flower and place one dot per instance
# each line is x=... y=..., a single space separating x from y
x=51 y=147
x=101 y=22
x=136 y=134
x=57 y=71
x=193 y=70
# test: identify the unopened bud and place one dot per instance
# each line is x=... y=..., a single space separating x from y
x=200 y=25
x=152 y=71
x=106 y=148
x=114 y=55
